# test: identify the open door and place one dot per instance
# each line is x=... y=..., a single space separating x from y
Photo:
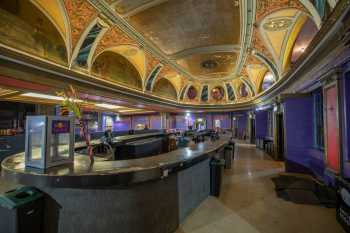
x=331 y=120
x=252 y=130
x=279 y=147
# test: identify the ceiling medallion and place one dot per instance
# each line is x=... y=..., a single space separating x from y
x=209 y=64
x=277 y=24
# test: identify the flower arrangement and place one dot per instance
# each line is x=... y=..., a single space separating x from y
x=70 y=103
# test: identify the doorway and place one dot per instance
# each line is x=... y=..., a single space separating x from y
x=279 y=137
x=252 y=130
x=332 y=128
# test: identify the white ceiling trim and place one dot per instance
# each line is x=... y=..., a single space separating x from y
x=247 y=12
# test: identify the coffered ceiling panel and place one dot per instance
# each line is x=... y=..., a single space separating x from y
x=179 y=25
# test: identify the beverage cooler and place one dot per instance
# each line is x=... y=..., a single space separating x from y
x=49 y=141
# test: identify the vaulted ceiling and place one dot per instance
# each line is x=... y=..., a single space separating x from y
x=188 y=51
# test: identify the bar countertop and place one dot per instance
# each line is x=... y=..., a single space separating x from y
x=120 y=139
x=102 y=173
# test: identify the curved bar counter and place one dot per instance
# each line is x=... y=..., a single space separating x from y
x=152 y=194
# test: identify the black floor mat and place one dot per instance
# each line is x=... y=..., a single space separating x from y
x=304 y=190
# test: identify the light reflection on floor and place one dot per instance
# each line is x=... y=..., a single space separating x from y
x=248 y=203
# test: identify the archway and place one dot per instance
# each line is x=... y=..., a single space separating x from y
x=25 y=27
x=163 y=87
x=116 y=68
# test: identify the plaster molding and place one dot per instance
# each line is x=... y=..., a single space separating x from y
x=248 y=10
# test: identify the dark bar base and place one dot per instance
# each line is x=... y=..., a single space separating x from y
x=149 y=207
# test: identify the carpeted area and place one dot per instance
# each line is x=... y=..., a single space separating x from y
x=304 y=190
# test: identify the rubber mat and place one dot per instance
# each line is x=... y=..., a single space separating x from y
x=303 y=190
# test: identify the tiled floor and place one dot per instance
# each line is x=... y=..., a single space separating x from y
x=248 y=203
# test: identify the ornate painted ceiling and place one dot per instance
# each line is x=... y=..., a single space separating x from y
x=188 y=51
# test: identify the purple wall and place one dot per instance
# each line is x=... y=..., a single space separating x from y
x=241 y=123
x=140 y=119
x=209 y=119
x=183 y=120
x=124 y=123
x=130 y=122
x=225 y=119
x=299 y=152
x=155 y=122
x=261 y=124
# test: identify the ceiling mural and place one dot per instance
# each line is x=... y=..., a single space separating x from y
x=205 y=94
x=163 y=87
x=218 y=93
x=209 y=66
x=208 y=51
x=243 y=90
x=133 y=54
x=116 y=68
x=192 y=93
x=24 y=26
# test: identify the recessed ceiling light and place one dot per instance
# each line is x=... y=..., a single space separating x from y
x=109 y=106
x=44 y=96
